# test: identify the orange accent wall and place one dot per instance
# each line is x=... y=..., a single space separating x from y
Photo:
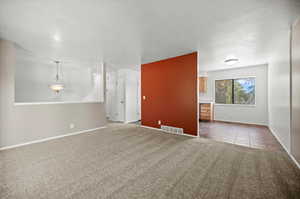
x=170 y=88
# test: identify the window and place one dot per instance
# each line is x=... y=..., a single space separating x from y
x=224 y=91
x=235 y=91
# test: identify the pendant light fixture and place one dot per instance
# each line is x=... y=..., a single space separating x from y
x=231 y=60
x=58 y=85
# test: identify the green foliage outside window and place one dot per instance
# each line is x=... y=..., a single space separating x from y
x=235 y=91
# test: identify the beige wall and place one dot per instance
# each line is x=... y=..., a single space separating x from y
x=284 y=98
x=295 y=131
x=279 y=90
x=19 y=124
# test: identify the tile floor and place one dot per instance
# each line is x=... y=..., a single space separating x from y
x=240 y=134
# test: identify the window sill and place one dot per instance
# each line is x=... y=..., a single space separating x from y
x=48 y=103
x=237 y=105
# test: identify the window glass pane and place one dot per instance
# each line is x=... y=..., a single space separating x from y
x=223 y=91
x=244 y=91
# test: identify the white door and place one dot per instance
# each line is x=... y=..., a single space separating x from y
x=120 y=97
x=115 y=100
x=111 y=91
x=132 y=96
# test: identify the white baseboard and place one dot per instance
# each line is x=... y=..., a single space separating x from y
x=292 y=157
x=239 y=122
x=157 y=129
x=284 y=147
x=50 y=138
x=130 y=121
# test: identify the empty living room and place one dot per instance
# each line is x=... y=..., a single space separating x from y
x=150 y=99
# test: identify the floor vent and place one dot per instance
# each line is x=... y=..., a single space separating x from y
x=171 y=129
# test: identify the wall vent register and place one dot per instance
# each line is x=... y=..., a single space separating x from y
x=171 y=129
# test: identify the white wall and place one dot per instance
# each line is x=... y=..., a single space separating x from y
x=33 y=76
x=257 y=114
x=20 y=124
x=279 y=90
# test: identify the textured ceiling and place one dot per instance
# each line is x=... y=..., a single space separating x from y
x=130 y=32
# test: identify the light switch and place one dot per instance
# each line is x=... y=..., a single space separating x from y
x=144 y=97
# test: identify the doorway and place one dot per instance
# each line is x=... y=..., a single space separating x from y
x=123 y=95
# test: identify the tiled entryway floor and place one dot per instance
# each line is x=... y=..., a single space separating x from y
x=241 y=134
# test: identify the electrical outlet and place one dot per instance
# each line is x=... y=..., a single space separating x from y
x=72 y=126
x=159 y=122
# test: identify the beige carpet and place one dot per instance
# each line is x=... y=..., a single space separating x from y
x=133 y=162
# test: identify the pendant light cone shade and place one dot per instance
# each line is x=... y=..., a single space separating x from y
x=58 y=85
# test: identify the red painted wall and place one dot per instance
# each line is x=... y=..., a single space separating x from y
x=170 y=88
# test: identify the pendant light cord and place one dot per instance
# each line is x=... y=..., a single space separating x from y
x=57 y=68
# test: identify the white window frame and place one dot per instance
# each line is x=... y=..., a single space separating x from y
x=233 y=78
